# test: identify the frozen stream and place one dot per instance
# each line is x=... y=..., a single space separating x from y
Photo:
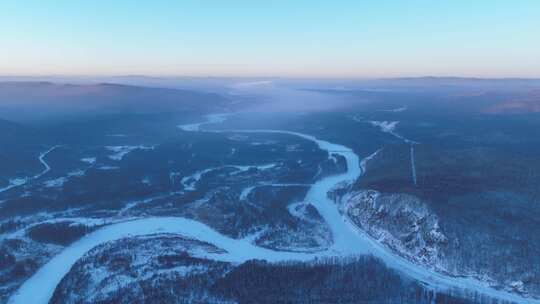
x=16 y=182
x=348 y=239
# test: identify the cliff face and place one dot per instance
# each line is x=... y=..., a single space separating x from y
x=408 y=227
x=400 y=221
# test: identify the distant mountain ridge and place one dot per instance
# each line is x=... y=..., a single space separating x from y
x=35 y=101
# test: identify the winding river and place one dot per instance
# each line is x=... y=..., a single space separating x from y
x=17 y=182
x=348 y=239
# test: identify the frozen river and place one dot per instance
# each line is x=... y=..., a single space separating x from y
x=348 y=239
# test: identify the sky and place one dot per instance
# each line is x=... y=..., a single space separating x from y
x=327 y=39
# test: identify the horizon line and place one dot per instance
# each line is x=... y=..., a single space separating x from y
x=157 y=77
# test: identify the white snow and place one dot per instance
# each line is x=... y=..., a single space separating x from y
x=385 y=126
x=389 y=127
x=413 y=165
x=348 y=240
x=76 y=173
x=146 y=180
x=190 y=181
x=88 y=160
x=40 y=287
x=210 y=119
x=44 y=163
x=60 y=181
x=132 y=204
x=396 y=110
x=55 y=183
x=246 y=191
x=242 y=169
x=121 y=151
x=108 y=168
x=363 y=163
x=16 y=182
x=298 y=210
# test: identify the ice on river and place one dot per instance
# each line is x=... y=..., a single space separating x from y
x=347 y=240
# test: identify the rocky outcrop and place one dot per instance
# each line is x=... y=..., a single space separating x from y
x=401 y=222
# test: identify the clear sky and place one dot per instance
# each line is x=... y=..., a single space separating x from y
x=382 y=38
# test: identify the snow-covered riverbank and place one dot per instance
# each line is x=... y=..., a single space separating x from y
x=17 y=182
x=347 y=238
x=40 y=287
